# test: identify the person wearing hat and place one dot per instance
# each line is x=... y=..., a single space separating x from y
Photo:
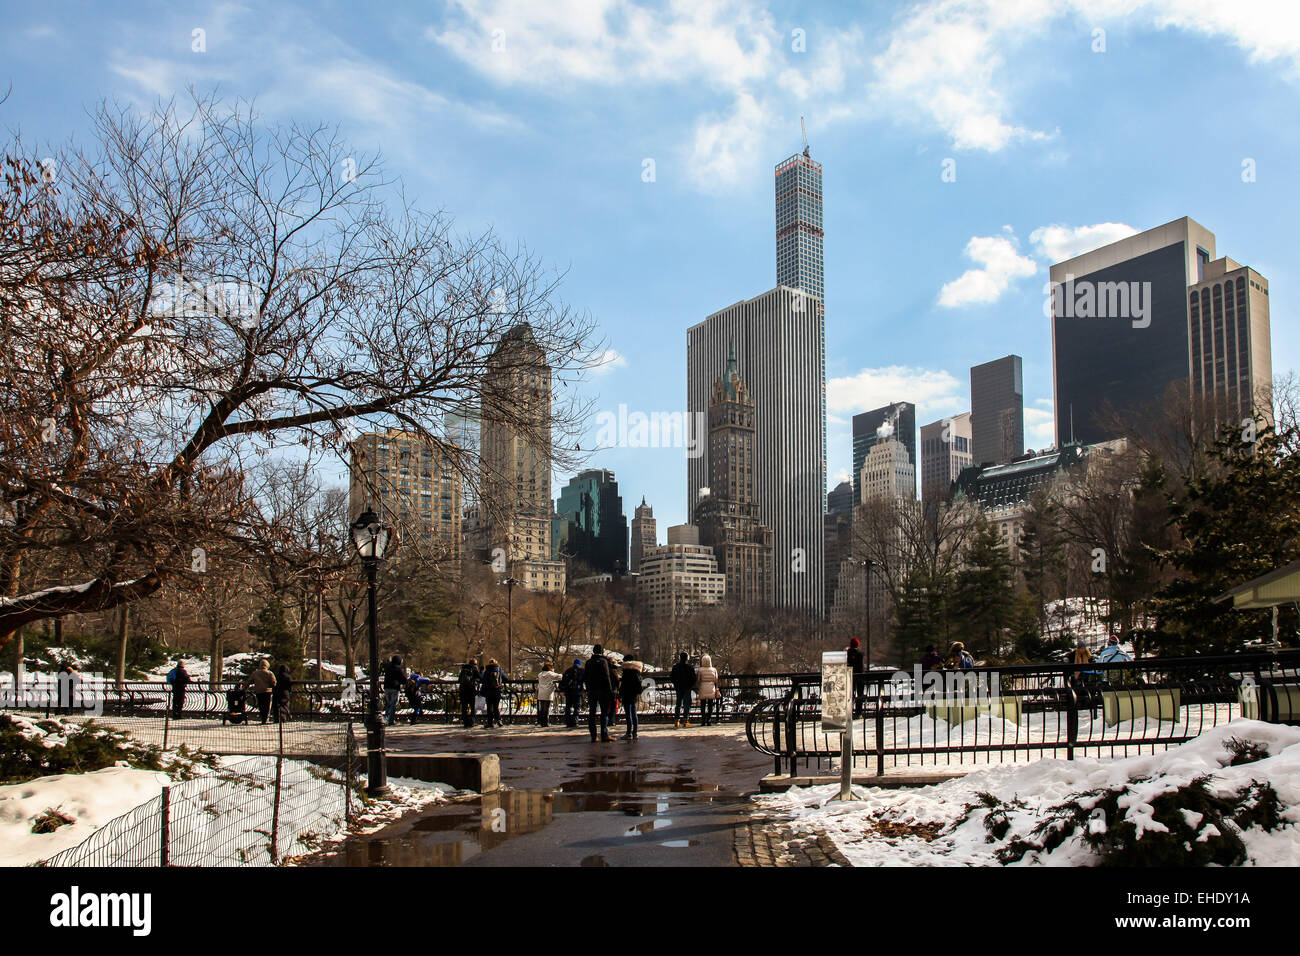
x=1112 y=652
x=959 y=658
x=571 y=687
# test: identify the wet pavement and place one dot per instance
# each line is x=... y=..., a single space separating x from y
x=669 y=798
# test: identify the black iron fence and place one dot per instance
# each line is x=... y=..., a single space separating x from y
x=1025 y=712
x=334 y=700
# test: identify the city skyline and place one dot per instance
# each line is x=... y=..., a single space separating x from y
x=1036 y=176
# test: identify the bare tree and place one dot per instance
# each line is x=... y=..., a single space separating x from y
x=202 y=291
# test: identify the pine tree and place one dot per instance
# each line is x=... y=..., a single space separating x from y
x=984 y=591
x=1238 y=520
x=275 y=639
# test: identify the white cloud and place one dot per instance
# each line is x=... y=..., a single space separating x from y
x=1057 y=243
x=1040 y=426
x=726 y=150
x=727 y=44
x=945 y=61
x=607 y=361
x=933 y=391
x=1000 y=262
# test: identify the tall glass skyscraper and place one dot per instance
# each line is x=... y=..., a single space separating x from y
x=589 y=523
x=799 y=235
x=779 y=341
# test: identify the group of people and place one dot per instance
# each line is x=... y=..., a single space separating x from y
x=958 y=659
x=271 y=690
x=608 y=685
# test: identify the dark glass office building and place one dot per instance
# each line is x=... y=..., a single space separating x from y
x=997 y=411
x=589 y=524
x=1108 y=365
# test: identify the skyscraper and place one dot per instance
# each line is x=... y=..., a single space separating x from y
x=945 y=451
x=514 y=515
x=589 y=525
x=900 y=417
x=779 y=339
x=888 y=472
x=1121 y=321
x=780 y=346
x=997 y=411
x=412 y=483
x=837 y=533
x=1230 y=336
x=728 y=517
x=799 y=234
x=644 y=533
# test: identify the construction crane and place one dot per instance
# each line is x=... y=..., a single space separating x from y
x=804 y=130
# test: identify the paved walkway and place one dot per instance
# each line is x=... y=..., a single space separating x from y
x=673 y=797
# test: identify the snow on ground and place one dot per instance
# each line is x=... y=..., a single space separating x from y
x=220 y=815
x=936 y=826
x=91 y=799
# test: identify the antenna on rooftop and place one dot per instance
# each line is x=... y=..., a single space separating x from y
x=804 y=130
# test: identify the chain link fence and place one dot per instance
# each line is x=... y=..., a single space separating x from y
x=257 y=811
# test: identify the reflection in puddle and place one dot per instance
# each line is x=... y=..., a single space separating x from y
x=452 y=834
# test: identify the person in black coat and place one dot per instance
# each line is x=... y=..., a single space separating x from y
x=179 y=678
x=280 y=709
x=571 y=686
x=601 y=684
x=467 y=685
x=494 y=685
x=629 y=692
x=859 y=678
x=683 y=677
x=394 y=680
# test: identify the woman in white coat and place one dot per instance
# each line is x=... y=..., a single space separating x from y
x=708 y=689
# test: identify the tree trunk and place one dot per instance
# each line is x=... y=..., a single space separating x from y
x=123 y=633
x=18 y=661
x=216 y=659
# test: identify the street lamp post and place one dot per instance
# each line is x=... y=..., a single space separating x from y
x=867 y=565
x=510 y=631
x=371 y=540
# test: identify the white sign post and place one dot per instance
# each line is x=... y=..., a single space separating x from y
x=837 y=712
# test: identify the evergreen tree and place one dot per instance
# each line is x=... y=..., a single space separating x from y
x=1237 y=520
x=275 y=639
x=984 y=592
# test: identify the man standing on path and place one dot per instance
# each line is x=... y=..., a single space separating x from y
x=683 y=678
x=571 y=685
x=598 y=676
x=467 y=685
x=179 y=678
x=546 y=681
x=394 y=681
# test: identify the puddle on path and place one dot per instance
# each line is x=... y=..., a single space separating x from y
x=451 y=834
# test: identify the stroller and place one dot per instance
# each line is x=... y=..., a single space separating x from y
x=236 y=707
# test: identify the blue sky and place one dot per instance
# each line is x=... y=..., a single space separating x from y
x=536 y=119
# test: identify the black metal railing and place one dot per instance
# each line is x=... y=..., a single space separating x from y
x=1025 y=712
x=340 y=700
